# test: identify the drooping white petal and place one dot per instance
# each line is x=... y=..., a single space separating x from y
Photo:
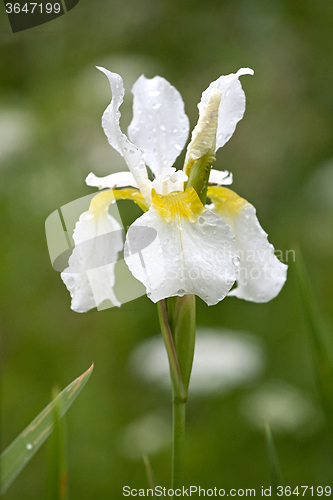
x=261 y=274
x=194 y=254
x=89 y=276
x=160 y=126
x=232 y=106
x=118 y=179
x=169 y=180
x=110 y=122
x=220 y=177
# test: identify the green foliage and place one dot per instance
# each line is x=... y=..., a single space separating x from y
x=56 y=474
x=20 y=451
x=272 y=458
x=322 y=360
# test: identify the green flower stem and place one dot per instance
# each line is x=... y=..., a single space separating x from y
x=179 y=408
x=176 y=378
x=179 y=399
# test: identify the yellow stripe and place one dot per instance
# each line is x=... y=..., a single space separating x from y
x=226 y=201
x=102 y=200
x=173 y=205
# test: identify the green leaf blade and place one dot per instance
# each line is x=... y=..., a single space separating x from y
x=24 y=447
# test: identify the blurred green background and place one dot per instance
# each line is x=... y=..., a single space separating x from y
x=51 y=103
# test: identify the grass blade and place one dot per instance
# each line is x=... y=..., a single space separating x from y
x=56 y=474
x=323 y=364
x=149 y=472
x=273 y=461
x=23 y=448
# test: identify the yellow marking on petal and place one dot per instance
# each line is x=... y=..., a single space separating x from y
x=100 y=203
x=131 y=194
x=175 y=204
x=226 y=201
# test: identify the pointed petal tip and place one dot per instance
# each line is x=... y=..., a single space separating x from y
x=245 y=71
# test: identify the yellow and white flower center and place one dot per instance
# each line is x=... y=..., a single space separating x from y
x=175 y=205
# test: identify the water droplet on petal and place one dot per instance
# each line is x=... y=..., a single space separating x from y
x=235 y=261
x=181 y=292
x=201 y=220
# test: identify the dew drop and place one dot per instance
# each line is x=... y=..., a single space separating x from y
x=156 y=105
x=163 y=127
x=235 y=261
x=201 y=220
x=179 y=147
x=181 y=292
x=29 y=446
x=175 y=130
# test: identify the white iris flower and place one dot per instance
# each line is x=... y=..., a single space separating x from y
x=178 y=246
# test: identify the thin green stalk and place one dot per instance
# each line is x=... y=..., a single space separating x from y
x=178 y=444
x=179 y=399
x=176 y=379
x=149 y=471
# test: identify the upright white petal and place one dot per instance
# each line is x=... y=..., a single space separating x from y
x=261 y=274
x=110 y=122
x=160 y=126
x=220 y=177
x=232 y=104
x=203 y=139
x=169 y=181
x=90 y=274
x=118 y=179
x=194 y=251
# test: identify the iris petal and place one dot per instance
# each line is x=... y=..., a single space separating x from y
x=232 y=106
x=98 y=240
x=194 y=252
x=160 y=126
x=261 y=274
x=110 y=122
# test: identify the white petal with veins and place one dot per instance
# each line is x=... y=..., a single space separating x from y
x=118 y=179
x=261 y=274
x=232 y=104
x=160 y=126
x=185 y=258
x=110 y=122
x=90 y=276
